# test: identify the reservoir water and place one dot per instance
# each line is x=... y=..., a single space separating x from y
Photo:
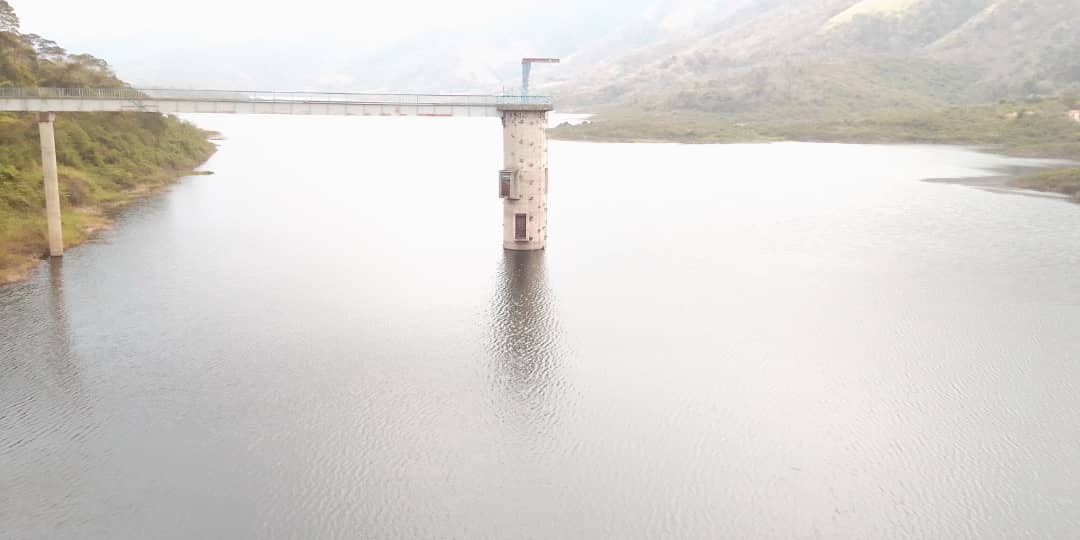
x=325 y=339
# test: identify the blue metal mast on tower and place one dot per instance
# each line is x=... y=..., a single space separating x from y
x=526 y=69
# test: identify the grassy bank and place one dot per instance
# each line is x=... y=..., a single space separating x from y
x=1065 y=181
x=1028 y=129
x=105 y=159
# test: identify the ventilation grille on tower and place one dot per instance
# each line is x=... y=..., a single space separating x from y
x=508 y=185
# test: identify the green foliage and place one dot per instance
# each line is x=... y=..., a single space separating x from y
x=812 y=91
x=1041 y=129
x=9 y=21
x=1030 y=129
x=923 y=24
x=1065 y=181
x=805 y=60
x=102 y=157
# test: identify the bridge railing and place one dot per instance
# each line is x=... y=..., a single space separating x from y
x=254 y=96
x=87 y=93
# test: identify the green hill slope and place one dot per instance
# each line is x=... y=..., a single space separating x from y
x=994 y=73
x=820 y=58
x=105 y=159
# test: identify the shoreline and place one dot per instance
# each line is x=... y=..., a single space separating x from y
x=1009 y=182
x=1060 y=180
x=1003 y=184
x=1042 y=128
x=104 y=215
x=563 y=135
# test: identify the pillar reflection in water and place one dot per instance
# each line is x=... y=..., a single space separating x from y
x=526 y=343
x=39 y=381
x=59 y=335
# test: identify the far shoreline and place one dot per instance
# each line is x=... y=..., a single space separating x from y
x=1012 y=180
x=1041 y=129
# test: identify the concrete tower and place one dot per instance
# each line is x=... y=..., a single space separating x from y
x=523 y=181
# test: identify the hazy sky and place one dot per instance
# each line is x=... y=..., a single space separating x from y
x=362 y=21
x=325 y=43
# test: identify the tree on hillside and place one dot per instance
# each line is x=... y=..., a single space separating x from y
x=9 y=21
x=46 y=48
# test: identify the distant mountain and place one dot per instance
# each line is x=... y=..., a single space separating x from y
x=777 y=58
x=484 y=57
x=819 y=57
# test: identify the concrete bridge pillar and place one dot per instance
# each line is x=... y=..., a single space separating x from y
x=52 y=183
x=523 y=182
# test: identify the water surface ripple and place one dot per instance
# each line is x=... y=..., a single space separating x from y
x=325 y=339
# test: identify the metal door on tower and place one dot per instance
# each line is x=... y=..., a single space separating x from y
x=521 y=222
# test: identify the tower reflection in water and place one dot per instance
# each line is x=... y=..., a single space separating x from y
x=526 y=342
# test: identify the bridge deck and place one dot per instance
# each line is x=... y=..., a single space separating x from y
x=256 y=102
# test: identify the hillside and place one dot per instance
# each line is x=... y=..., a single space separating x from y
x=105 y=159
x=820 y=58
x=999 y=74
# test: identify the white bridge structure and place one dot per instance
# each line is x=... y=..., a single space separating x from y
x=254 y=102
x=523 y=180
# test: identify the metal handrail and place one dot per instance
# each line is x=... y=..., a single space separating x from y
x=252 y=96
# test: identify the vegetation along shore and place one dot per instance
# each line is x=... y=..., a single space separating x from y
x=1031 y=128
x=105 y=159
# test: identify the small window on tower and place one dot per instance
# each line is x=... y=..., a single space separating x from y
x=506 y=182
x=521 y=223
